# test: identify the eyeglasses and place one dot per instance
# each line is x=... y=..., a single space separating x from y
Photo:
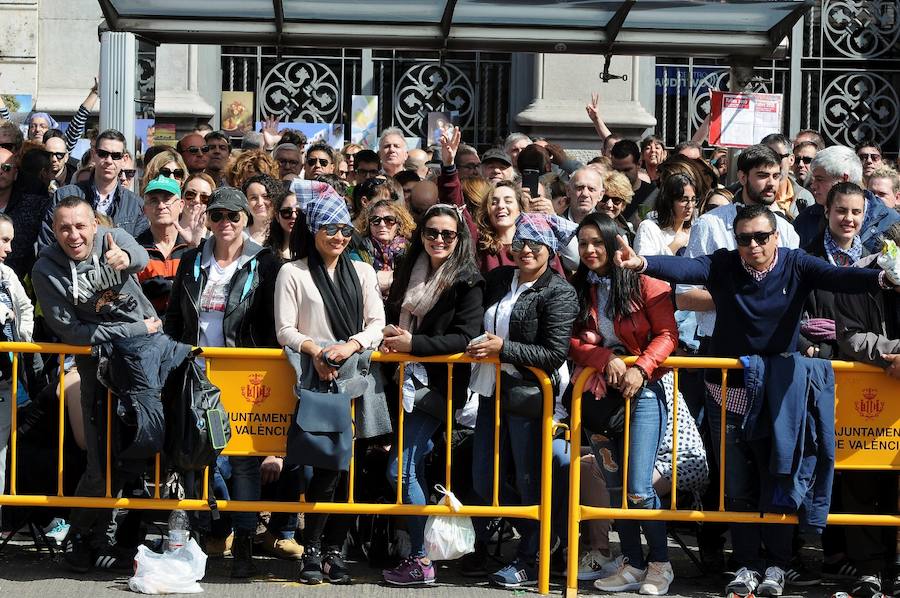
x=178 y=173
x=368 y=172
x=743 y=239
x=128 y=173
x=388 y=220
x=12 y=147
x=332 y=230
x=218 y=215
x=783 y=156
x=192 y=195
x=805 y=159
x=519 y=244
x=288 y=213
x=687 y=201
x=321 y=161
x=116 y=156
x=866 y=157
x=197 y=150
x=432 y=234
x=7 y=167
x=57 y=155
x=163 y=203
x=616 y=201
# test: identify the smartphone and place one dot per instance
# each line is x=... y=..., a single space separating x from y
x=390 y=330
x=478 y=339
x=530 y=178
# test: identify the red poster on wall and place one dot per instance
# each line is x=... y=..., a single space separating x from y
x=743 y=119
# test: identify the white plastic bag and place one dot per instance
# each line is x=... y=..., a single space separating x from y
x=889 y=260
x=446 y=537
x=173 y=572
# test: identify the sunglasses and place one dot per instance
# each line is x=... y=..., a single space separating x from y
x=12 y=147
x=432 y=234
x=783 y=156
x=218 y=215
x=57 y=155
x=288 y=213
x=7 y=167
x=872 y=157
x=192 y=195
x=377 y=220
x=116 y=156
x=197 y=150
x=178 y=173
x=321 y=161
x=743 y=239
x=368 y=172
x=128 y=173
x=616 y=201
x=519 y=244
x=805 y=159
x=331 y=230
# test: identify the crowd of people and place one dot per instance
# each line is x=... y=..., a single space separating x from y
x=518 y=252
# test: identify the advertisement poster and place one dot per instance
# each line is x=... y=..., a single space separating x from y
x=743 y=119
x=440 y=123
x=164 y=134
x=364 y=121
x=237 y=112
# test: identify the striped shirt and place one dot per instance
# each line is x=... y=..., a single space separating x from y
x=76 y=129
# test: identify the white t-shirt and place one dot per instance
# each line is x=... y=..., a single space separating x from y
x=104 y=203
x=653 y=240
x=213 y=300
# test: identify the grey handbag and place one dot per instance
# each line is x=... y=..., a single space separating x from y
x=321 y=432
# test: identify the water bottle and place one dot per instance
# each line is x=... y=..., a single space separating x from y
x=178 y=529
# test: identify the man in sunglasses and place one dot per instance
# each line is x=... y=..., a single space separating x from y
x=194 y=151
x=128 y=172
x=26 y=211
x=11 y=137
x=103 y=190
x=804 y=152
x=759 y=291
x=869 y=153
x=60 y=170
x=319 y=160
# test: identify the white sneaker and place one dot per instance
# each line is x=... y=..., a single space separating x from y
x=626 y=579
x=612 y=566
x=590 y=567
x=658 y=578
x=57 y=529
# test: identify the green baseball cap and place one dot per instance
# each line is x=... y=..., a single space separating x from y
x=163 y=183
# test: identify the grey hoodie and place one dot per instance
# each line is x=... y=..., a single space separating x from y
x=88 y=302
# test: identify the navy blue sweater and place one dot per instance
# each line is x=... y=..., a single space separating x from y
x=760 y=318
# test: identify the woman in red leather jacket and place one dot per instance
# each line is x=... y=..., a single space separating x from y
x=624 y=313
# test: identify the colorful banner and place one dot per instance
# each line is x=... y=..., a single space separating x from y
x=364 y=121
x=743 y=119
x=867 y=421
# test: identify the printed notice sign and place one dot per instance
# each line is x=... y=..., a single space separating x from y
x=867 y=421
x=743 y=119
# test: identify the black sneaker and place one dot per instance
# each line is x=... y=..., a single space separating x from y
x=112 y=558
x=311 y=571
x=773 y=583
x=334 y=567
x=841 y=570
x=77 y=554
x=474 y=564
x=866 y=586
x=798 y=574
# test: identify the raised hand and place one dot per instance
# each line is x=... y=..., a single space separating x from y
x=625 y=257
x=450 y=145
x=271 y=136
x=592 y=109
x=115 y=256
x=191 y=225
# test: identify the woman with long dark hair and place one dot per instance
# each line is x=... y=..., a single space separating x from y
x=670 y=231
x=624 y=313
x=435 y=308
x=286 y=212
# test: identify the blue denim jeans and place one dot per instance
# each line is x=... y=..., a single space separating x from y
x=418 y=430
x=559 y=513
x=646 y=430
x=520 y=440
x=245 y=485
x=745 y=464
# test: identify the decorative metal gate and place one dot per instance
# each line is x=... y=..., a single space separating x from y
x=305 y=85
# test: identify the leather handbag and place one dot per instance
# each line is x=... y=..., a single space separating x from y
x=604 y=415
x=521 y=396
x=321 y=431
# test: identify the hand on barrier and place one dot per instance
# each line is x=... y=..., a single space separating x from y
x=325 y=371
x=270 y=469
x=115 y=256
x=631 y=383
x=615 y=371
x=487 y=348
x=892 y=370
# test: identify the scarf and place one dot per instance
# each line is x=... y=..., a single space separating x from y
x=422 y=292
x=842 y=257
x=384 y=256
x=342 y=296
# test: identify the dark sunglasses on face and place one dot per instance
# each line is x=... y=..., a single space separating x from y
x=377 y=220
x=192 y=195
x=178 y=173
x=331 y=230
x=322 y=162
x=519 y=244
x=432 y=234
x=805 y=159
x=288 y=213
x=128 y=173
x=9 y=146
x=57 y=155
x=218 y=215
x=7 y=167
x=116 y=156
x=743 y=239
x=873 y=157
x=197 y=150
x=366 y=172
x=783 y=156
x=616 y=201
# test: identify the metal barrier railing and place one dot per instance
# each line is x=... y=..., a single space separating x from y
x=578 y=513
x=275 y=359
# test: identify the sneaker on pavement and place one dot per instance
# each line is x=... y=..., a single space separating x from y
x=798 y=574
x=413 y=571
x=745 y=582
x=215 y=546
x=57 y=530
x=282 y=548
x=625 y=579
x=311 y=571
x=474 y=564
x=77 y=554
x=866 y=586
x=517 y=574
x=772 y=583
x=335 y=569
x=842 y=570
x=590 y=567
x=658 y=578
x=113 y=558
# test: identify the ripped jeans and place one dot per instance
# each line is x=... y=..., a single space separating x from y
x=646 y=430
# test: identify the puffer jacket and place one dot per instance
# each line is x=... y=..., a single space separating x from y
x=541 y=321
x=249 y=312
x=650 y=333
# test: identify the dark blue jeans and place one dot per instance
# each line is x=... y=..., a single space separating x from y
x=520 y=440
x=418 y=429
x=646 y=430
x=745 y=463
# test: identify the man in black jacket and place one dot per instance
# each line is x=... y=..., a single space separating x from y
x=103 y=191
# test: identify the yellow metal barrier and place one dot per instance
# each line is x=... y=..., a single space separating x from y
x=257 y=391
x=867 y=432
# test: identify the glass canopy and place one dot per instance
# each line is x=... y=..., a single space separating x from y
x=673 y=27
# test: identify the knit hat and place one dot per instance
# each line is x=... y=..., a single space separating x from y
x=321 y=204
x=552 y=231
